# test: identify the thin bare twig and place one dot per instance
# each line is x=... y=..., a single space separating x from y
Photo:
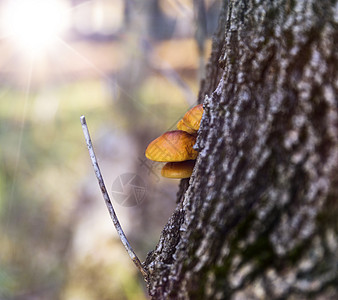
x=106 y=198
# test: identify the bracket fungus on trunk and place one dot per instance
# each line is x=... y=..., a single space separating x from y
x=176 y=147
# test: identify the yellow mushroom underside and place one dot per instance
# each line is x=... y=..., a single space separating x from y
x=178 y=170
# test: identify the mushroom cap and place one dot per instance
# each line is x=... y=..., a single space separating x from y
x=182 y=126
x=172 y=146
x=193 y=117
x=178 y=170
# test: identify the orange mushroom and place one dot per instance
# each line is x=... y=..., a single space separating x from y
x=192 y=118
x=176 y=147
x=172 y=146
x=181 y=126
x=178 y=170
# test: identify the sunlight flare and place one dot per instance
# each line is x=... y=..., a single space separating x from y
x=34 y=24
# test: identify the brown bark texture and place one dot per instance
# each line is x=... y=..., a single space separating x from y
x=258 y=219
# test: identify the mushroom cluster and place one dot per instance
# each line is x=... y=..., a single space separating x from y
x=176 y=147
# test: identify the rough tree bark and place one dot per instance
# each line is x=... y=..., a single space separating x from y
x=258 y=218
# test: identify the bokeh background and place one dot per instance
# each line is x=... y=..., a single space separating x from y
x=133 y=68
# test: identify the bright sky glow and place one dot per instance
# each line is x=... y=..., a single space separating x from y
x=35 y=24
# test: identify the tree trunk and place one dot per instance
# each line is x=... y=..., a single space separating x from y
x=259 y=217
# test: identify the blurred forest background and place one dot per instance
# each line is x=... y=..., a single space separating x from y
x=133 y=68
